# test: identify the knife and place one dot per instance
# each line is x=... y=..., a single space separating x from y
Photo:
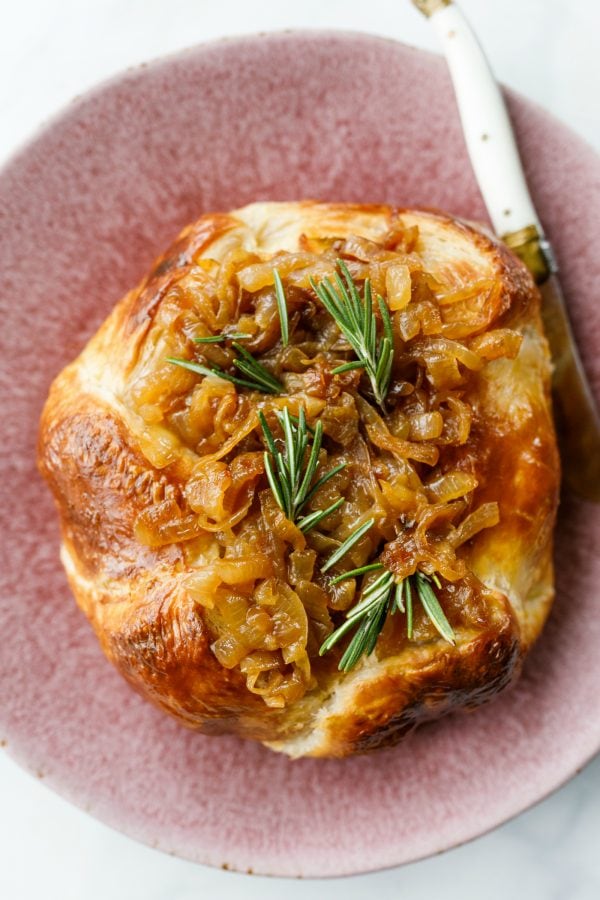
x=495 y=159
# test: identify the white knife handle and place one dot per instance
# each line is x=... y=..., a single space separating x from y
x=487 y=128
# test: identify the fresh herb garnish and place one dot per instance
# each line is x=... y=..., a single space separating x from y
x=362 y=570
x=296 y=420
x=219 y=338
x=384 y=595
x=290 y=474
x=255 y=371
x=291 y=471
x=347 y=544
x=431 y=605
x=281 y=308
x=355 y=317
x=258 y=378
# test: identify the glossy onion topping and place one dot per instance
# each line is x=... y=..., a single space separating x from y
x=256 y=575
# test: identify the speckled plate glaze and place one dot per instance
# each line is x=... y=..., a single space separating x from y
x=84 y=208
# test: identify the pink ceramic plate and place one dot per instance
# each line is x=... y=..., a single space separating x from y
x=84 y=209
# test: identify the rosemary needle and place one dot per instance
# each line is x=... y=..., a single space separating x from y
x=347 y=544
x=432 y=607
x=219 y=338
x=312 y=519
x=281 y=308
x=408 y=600
x=362 y=570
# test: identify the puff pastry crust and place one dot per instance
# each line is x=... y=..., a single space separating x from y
x=135 y=449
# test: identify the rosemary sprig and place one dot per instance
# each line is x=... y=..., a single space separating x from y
x=384 y=595
x=257 y=377
x=290 y=473
x=355 y=317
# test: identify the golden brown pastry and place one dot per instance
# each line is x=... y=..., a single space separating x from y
x=211 y=599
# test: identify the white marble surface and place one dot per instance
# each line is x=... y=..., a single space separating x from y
x=51 y=50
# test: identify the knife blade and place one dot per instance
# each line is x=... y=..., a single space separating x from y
x=577 y=419
x=495 y=158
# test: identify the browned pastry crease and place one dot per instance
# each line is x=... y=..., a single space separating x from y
x=208 y=600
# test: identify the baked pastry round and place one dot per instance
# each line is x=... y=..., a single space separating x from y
x=160 y=444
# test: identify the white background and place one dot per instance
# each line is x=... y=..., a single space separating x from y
x=52 y=50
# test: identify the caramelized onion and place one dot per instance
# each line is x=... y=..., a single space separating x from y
x=467 y=292
x=457 y=422
x=503 y=342
x=450 y=486
x=425 y=453
x=254 y=574
x=486 y=516
x=426 y=426
x=440 y=358
x=421 y=317
x=425 y=545
x=398 y=286
x=244 y=429
x=221 y=494
x=260 y=275
x=473 y=315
